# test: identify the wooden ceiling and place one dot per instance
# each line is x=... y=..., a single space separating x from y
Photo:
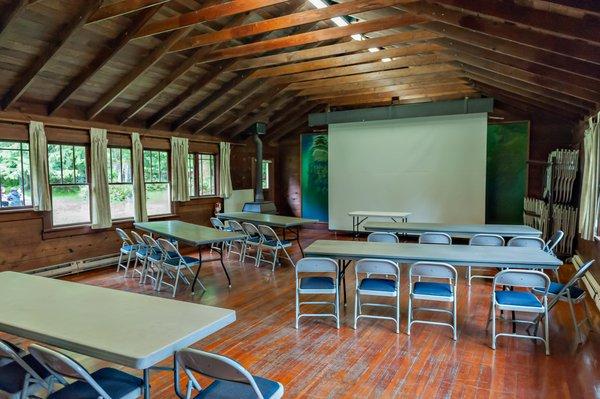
x=214 y=67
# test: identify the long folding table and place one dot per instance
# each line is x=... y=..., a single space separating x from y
x=359 y=217
x=133 y=330
x=191 y=234
x=454 y=230
x=286 y=223
x=457 y=255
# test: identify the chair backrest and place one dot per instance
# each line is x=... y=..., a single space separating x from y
x=251 y=229
x=377 y=266
x=214 y=366
x=168 y=249
x=554 y=241
x=216 y=223
x=522 y=278
x=381 y=236
x=123 y=236
x=529 y=242
x=61 y=366
x=138 y=238
x=268 y=233
x=154 y=247
x=433 y=270
x=236 y=226
x=9 y=350
x=316 y=265
x=575 y=279
x=487 y=240
x=435 y=238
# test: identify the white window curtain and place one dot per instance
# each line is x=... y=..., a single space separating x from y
x=139 y=185
x=589 y=203
x=101 y=218
x=179 y=169
x=225 y=188
x=38 y=159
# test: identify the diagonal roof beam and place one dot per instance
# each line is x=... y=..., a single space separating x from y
x=65 y=32
x=105 y=55
x=9 y=13
x=283 y=129
x=123 y=7
x=387 y=96
x=587 y=5
x=263 y=115
x=205 y=14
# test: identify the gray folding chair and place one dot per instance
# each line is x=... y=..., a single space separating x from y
x=432 y=291
x=484 y=240
x=378 y=287
x=174 y=265
x=529 y=242
x=127 y=249
x=152 y=265
x=435 y=238
x=254 y=240
x=551 y=246
x=236 y=227
x=106 y=383
x=272 y=243
x=571 y=293
x=381 y=236
x=21 y=376
x=232 y=380
x=217 y=224
x=141 y=254
x=323 y=284
x=520 y=301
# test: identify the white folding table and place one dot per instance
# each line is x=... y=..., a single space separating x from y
x=133 y=330
x=454 y=230
x=359 y=217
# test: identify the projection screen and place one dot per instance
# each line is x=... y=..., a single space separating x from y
x=433 y=167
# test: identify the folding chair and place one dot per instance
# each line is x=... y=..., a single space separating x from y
x=254 y=240
x=520 y=301
x=484 y=240
x=551 y=245
x=232 y=380
x=174 y=264
x=141 y=254
x=435 y=238
x=529 y=242
x=571 y=293
x=379 y=287
x=323 y=284
x=218 y=224
x=107 y=383
x=22 y=376
x=432 y=291
x=236 y=227
x=381 y=236
x=152 y=265
x=272 y=242
x=127 y=249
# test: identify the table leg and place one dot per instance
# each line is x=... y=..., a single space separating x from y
x=146 y=383
x=199 y=267
x=298 y=240
x=224 y=268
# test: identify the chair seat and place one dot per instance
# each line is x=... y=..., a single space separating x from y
x=429 y=288
x=141 y=252
x=236 y=390
x=555 y=288
x=12 y=375
x=127 y=248
x=377 y=284
x=317 y=283
x=274 y=244
x=254 y=239
x=518 y=298
x=115 y=382
x=191 y=261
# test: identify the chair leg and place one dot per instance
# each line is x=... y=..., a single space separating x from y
x=556 y=275
x=297 y=305
x=258 y=256
x=119 y=262
x=398 y=312
x=127 y=264
x=176 y=281
x=337 y=307
x=546 y=333
x=455 y=335
x=409 y=314
x=469 y=275
x=493 y=327
x=574 y=319
x=289 y=257
x=587 y=314
x=274 y=259
x=356 y=307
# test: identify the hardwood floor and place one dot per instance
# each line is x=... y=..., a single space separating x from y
x=319 y=361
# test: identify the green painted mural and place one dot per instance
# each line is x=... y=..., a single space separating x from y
x=314 y=178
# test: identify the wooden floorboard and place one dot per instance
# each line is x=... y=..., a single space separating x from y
x=319 y=361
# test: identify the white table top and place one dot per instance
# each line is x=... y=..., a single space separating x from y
x=455 y=230
x=457 y=255
x=267 y=219
x=189 y=233
x=382 y=214
x=125 y=328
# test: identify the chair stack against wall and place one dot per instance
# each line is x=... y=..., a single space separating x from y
x=555 y=210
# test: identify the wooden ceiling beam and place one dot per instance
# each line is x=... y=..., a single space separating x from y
x=106 y=53
x=299 y=39
x=262 y=116
x=205 y=14
x=123 y=83
x=123 y=7
x=63 y=34
x=560 y=45
x=347 y=60
x=334 y=49
x=285 y=22
x=586 y=28
x=586 y=5
x=286 y=128
x=459 y=89
x=9 y=13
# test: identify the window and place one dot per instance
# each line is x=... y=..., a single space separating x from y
x=265 y=175
x=120 y=182
x=67 y=167
x=156 y=175
x=206 y=174
x=15 y=178
x=192 y=175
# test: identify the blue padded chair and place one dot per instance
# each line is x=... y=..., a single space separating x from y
x=326 y=283
x=127 y=249
x=152 y=263
x=432 y=291
x=23 y=375
x=382 y=236
x=236 y=227
x=104 y=383
x=520 y=301
x=141 y=254
x=231 y=379
x=218 y=224
x=378 y=287
x=435 y=238
x=174 y=265
x=254 y=240
x=571 y=293
x=484 y=240
x=272 y=243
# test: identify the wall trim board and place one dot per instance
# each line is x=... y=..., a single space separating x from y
x=440 y=108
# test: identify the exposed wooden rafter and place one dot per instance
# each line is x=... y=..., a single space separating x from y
x=9 y=13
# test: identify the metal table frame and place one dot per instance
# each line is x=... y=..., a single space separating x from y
x=359 y=217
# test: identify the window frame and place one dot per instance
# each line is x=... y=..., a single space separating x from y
x=168 y=181
x=22 y=207
x=197 y=181
x=109 y=159
x=268 y=163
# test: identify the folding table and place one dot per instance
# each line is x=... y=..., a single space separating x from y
x=454 y=230
x=359 y=217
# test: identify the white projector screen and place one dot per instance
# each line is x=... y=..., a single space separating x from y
x=433 y=167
